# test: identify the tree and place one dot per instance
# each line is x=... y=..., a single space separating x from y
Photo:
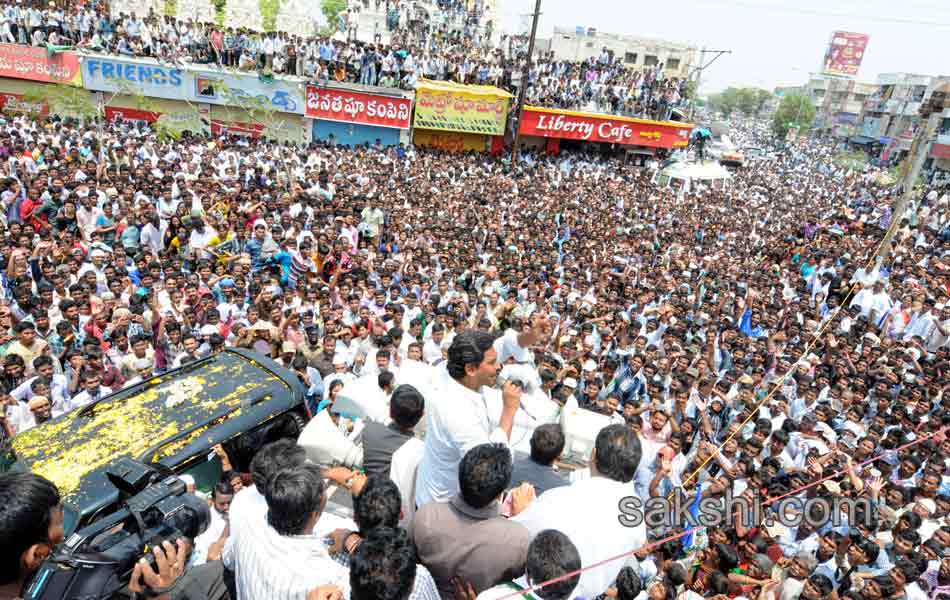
x=747 y=101
x=794 y=110
x=331 y=8
x=761 y=98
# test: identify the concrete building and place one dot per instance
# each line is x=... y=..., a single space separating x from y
x=892 y=112
x=580 y=44
x=838 y=103
x=938 y=155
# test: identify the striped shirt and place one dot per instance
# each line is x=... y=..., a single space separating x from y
x=270 y=566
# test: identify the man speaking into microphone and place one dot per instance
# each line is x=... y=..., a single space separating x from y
x=458 y=417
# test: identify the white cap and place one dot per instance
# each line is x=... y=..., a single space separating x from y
x=571 y=383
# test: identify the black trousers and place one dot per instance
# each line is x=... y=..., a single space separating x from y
x=210 y=581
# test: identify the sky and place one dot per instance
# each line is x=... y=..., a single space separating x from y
x=773 y=42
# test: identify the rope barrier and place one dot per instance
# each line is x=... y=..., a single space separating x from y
x=718 y=449
x=692 y=530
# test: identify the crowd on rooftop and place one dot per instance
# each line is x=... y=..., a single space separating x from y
x=601 y=84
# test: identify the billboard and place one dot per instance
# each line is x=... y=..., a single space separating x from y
x=132 y=76
x=844 y=54
x=37 y=64
x=246 y=90
x=463 y=108
x=356 y=107
x=588 y=127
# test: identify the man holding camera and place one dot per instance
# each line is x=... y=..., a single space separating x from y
x=31 y=526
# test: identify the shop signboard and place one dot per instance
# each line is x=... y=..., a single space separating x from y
x=38 y=64
x=588 y=127
x=246 y=91
x=17 y=103
x=134 y=77
x=345 y=106
x=447 y=106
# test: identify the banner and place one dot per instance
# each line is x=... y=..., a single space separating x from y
x=15 y=103
x=246 y=91
x=553 y=123
x=331 y=104
x=246 y=130
x=133 y=77
x=464 y=108
x=36 y=64
x=844 y=54
x=449 y=141
x=118 y=113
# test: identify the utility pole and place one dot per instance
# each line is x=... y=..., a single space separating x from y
x=519 y=109
x=698 y=72
x=932 y=111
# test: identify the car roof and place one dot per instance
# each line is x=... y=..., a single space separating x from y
x=155 y=420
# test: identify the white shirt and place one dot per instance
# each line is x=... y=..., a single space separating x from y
x=431 y=351
x=402 y=470
x=457 y=421
x=83 y=398
x=211 y=535
x=282 y=567
x=591 y=523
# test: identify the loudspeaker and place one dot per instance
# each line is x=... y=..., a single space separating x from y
x=326 y=445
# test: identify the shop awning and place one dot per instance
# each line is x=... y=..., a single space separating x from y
x=862 y=140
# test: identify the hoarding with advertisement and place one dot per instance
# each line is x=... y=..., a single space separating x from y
x=246 y=90
x=329 y=104
x=124 y=75
x=844 y=54
x=464 y=108
x=36 y=64
x=16 y=103
x=587 y=127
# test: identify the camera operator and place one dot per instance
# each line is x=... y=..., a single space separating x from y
x=31 y=526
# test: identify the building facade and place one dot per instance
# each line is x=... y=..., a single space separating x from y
x=838 y=103
x=892 y=112
x=637 y=52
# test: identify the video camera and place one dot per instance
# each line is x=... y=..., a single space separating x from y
x=96 y=562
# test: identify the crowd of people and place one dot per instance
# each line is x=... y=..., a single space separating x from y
x=602 y=84
x=744 y=341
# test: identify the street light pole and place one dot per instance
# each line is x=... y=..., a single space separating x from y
x=519 y=109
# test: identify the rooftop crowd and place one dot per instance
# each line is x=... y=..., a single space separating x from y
x=601 y=84
x=743 y=339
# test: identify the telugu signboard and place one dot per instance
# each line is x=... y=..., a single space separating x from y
x=844 y=54
x=36 y=64
x=247 y=91
x=464 y=108
x=355 y=107
x=553 y=123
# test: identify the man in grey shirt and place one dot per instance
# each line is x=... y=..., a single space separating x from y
x=547 y=443
x=380 y=442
